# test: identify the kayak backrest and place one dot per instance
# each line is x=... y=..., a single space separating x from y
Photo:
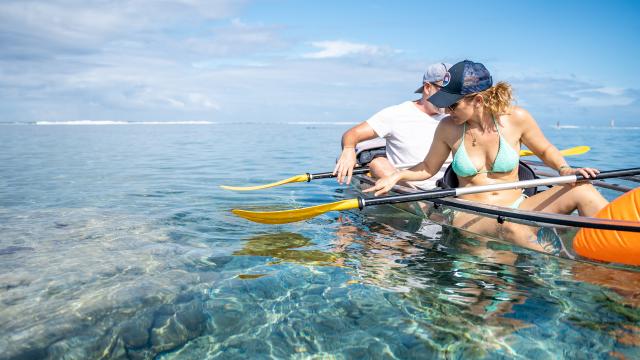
x=450 y=180
x=364 y=156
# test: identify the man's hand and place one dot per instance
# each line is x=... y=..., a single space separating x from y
x=345 y=165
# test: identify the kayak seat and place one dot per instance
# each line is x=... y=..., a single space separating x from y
x=364 y=157
x=450 y=179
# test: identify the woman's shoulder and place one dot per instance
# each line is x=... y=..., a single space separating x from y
x=519 y=111
x=447 y=124
x=447 y=121
x=448 y=130
x=518 y=115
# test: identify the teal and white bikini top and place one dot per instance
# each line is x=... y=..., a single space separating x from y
x=506 y=159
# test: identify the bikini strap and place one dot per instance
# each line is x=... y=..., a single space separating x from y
x=495 y=123
x=464 y=130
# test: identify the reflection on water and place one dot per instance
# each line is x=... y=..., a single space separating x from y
x=370 y=289
x=622 y=300
x=280 y=245
x=116 y=243
x=474 y=297
x=446 y=293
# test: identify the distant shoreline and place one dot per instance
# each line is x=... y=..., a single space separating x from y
x=295 y=123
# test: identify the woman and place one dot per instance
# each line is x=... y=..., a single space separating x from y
x=484 y=133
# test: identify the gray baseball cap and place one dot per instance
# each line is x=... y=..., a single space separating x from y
x=435 y=72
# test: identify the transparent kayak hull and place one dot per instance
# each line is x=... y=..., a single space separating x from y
x=543 y=232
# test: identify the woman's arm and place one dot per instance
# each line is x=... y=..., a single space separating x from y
x=533 y=138
x=437 y=155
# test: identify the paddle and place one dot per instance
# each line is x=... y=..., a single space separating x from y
x=287 y=216
x=576 y=150
x=298 y=178
x=363 y=170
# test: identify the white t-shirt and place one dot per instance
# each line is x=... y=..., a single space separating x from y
x=408 y=133
x=407 y=130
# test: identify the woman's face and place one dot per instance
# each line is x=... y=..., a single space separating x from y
x=462 y=110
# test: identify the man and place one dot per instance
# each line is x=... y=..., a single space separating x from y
x=408 y=129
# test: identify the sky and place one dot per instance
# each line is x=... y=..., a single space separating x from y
x=308 y=61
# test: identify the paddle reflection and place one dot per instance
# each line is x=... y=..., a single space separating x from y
x=285 y=247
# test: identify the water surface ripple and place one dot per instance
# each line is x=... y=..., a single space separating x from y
x=116 y=242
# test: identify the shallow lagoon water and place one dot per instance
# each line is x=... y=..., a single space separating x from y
x=115 y=242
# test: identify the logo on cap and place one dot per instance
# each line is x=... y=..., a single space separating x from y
x=446 y=79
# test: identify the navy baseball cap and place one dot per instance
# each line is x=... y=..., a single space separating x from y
x=463 y=78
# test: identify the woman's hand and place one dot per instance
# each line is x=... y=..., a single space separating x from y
x=344 y=167
x=383 y=185
x=586 y=172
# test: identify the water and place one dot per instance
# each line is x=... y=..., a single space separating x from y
x=116 y=242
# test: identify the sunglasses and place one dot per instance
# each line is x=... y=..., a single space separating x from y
x=453 y=106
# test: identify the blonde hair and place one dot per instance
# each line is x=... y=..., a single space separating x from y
x=498 y=98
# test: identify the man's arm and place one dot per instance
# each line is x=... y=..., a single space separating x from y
x=437 y=155
x=347 y=160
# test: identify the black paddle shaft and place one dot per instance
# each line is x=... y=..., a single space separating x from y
x=327 y=175
x=441 y=193
x=393 y=199
x=611 y=174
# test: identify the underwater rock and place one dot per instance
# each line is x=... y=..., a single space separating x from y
x=172 y=331
x=14 y=249
x=135 y=333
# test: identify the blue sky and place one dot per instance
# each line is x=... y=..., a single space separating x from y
x=311 y=61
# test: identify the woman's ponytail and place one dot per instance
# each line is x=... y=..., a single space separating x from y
x=498 y=98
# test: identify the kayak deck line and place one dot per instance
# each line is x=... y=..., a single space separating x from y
x=598 y=183
x=633 y=178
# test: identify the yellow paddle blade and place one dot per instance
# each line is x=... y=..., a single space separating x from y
x=293 y=179
x=578 y=150
x=287 y=216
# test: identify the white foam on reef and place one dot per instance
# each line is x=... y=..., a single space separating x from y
x=112 y=122
x=321 y=123
x=567 y=127
x=617 y=127
x=596 y=127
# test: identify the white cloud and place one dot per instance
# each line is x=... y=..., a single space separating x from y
x=586 y=95
x=238 y=39
x=612 y=91
x=587 y=99
x=339 y=48
x=203 y=101
x=87 y=26
x=120 y=56
x=167 y=59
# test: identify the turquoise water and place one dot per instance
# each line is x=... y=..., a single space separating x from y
x=116 y=242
